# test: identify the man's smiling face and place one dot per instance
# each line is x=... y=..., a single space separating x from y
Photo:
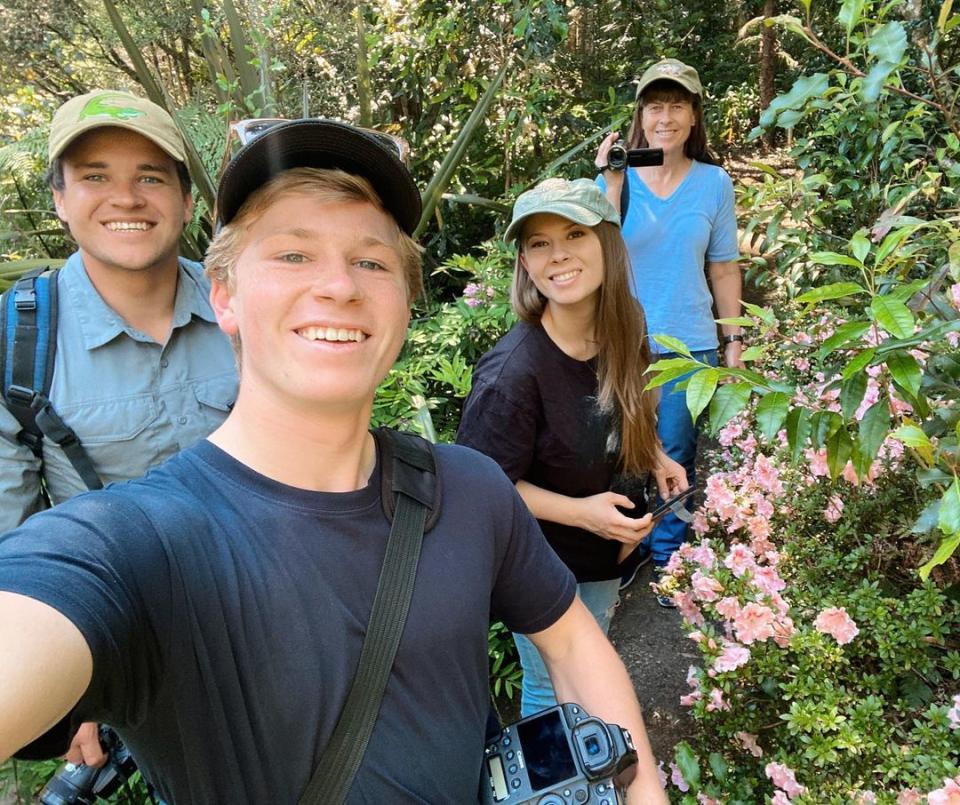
x=123 y=202
x=319 y=302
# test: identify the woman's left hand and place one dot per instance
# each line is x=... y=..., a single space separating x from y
x=671 y=477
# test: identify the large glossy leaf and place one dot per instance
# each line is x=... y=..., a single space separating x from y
x=671 y=344
x=771 y=412
x=851 y=11
x=875 y=79
x=873 y=430
x=835 y=259
x=888 y=43
x=905 y=371
x=892 y=315
x=843 y=335
x=688 y=765
x=798 y=430
x=728 y=401
x=914 y=437
x=700 y=388
x=945 y=550
x=839 y=451
x=837 y=290
x=949 y=520
x=858 y=363
x=803 y=90
x=851 y=393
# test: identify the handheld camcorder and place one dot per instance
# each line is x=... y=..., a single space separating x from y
x=559 y=756
x=619 y=158
x=82 y=784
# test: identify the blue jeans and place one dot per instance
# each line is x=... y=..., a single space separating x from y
x=536 y=694
x=679 y=436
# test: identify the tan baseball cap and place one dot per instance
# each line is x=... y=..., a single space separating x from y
x=671 y=70
x=114 y=108
x=580 y=201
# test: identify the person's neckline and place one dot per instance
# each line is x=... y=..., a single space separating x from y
x=676 y=190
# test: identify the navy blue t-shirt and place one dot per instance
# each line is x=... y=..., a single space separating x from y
x=225 y=613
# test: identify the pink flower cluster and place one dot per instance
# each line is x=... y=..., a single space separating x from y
x=784 y=778
x=475 y=294
x=954 y=713
x=835 y=621
x=948 y=795
x=742 y=499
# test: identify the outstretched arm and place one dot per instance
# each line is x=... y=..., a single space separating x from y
x=46 y=667
x=585 y=669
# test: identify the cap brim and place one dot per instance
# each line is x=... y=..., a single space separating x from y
x=572 y=212
x=173 y=150
x=319 y=144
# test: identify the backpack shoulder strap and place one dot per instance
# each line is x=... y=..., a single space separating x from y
x=408 y=466
x=28 y=345
x=28 y=329
x=409 y=462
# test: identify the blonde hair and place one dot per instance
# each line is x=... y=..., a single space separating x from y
x=324 y=185
x=624 y=354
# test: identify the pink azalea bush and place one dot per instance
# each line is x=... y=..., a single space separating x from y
x=821 y=678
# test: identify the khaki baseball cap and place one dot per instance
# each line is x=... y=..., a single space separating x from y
x=114 y=108
x=671 y=70
x=580 y=200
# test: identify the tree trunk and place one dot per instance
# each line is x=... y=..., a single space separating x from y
x=768 y=64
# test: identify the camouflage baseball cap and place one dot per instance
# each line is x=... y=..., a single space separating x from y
x=580 y=200
x=114 y=108
x=671 y=70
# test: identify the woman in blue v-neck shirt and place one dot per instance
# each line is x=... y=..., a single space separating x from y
x=680 y=228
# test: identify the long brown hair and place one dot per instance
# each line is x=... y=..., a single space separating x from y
x=624 y=354
x=667 y=91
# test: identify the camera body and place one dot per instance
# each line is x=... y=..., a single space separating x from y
x=82 y=784
x=619 y=158
x=559 y=756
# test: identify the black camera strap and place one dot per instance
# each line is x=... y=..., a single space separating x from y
x=410 y=490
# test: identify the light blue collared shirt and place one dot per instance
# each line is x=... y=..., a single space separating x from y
x=131 y=401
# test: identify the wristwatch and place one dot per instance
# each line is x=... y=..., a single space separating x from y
x=729 y=339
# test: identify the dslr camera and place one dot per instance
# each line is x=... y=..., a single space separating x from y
x=82 y=784
x=619 y=158
x=559 y=756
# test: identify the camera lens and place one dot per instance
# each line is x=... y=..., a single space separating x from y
x=617 y=158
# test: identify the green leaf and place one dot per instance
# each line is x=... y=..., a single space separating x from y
x=839 y=450
x=666 y=375
x=859 y=363
x=944 y=16
x=700 y=388
x=860 y=246
x=892 y=315
x=728 y=401
x=905 y=370
x=837 y=290
x=888 y=43
x=915 y=692
x=943 y=552
x=751 y=354
x=851 y=393
x=893 y=240
x=850 y=13
x=671 y=344
x=823 y=424
x=798 y=430
x=843 y=335
x=688 y=764
x=718 y=766
x=771 y=412
x=914 y=437
x=949 y=521
x=954 y=254
x=874 y=80
x=873 y=429
x=742 y=321
x=765 y=314
x=834 y=259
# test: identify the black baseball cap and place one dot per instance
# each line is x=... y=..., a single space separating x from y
x=318 y=143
